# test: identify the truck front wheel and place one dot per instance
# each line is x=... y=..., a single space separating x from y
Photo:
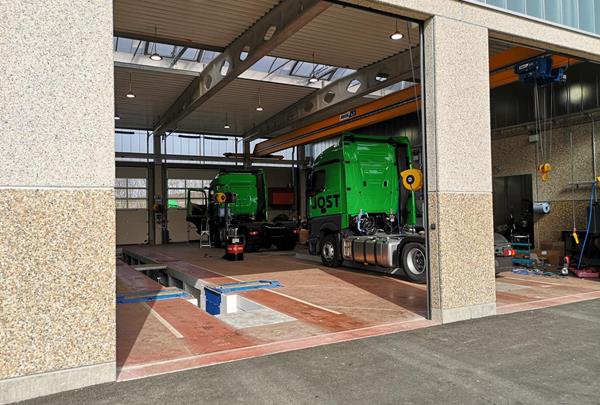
x=330 y=251
x=414 y=262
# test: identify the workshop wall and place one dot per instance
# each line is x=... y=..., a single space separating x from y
x=279 y=177
x=515 y=155
x=131 y=223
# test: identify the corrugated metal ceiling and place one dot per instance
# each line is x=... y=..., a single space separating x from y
x=497 y=47
x=215 y=23
x=341 y=36
x=239 y=100
x=347 y=37
x=155 y=92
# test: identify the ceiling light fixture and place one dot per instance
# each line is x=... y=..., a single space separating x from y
x=155 y=56
x=313 y=76
x=396 y=35
x=259 y=106
x=130 y=94
x=226 y=126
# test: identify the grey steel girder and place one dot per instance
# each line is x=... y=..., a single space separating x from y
x=364 y=81
x=266 y=34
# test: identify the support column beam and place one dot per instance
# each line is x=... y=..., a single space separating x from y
x=301 y=184
x=358 y=84
x=159 y=197
x=381 y=109
x=459 y=177
x=270 y=31
x=247 y=157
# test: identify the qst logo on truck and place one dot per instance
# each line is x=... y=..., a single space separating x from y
x=325 y=202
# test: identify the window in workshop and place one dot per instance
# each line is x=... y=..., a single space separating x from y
x=178 y=188
x=131 y=193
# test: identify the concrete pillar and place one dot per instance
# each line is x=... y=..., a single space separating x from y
x=459 y=170
x=57 y=207
x=247 y=152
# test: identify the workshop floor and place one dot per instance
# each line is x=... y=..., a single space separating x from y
x=515 y=293
x=317 y=305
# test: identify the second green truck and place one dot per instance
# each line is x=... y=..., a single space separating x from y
x=235 y=205
x=362 y=207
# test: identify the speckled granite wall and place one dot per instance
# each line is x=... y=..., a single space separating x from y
x=515 y=155
x=57 y=247
x=459 y=170
x=462 y=266
x=56 y=93
x=57 y=227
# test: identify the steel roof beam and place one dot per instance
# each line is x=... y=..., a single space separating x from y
x=404 y=102
x=194 y=158
x=266 y=34
x=166 y=40
x=368 y=79
x=381 y=109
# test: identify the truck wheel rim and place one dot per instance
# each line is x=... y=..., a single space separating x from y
x=415 y=260
x=328 y=250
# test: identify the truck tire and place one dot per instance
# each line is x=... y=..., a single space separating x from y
x=414 y=262
x=329 y=249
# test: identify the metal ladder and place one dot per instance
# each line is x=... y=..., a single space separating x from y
x=205 y=234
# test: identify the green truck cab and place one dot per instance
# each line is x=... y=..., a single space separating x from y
x=360 y=212
x=236 y=205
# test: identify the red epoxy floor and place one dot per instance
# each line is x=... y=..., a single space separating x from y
x=516 y=293
x=328 y=306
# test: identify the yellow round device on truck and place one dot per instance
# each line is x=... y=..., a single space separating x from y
x=220 y=198
x=412 y=179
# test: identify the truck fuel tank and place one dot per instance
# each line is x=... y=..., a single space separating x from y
x=374 y=250
x=370 y=251
x=387 y=254
x=359 y=249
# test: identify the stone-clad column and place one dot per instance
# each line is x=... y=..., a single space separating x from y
x=459 y=170
x=57 y=209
